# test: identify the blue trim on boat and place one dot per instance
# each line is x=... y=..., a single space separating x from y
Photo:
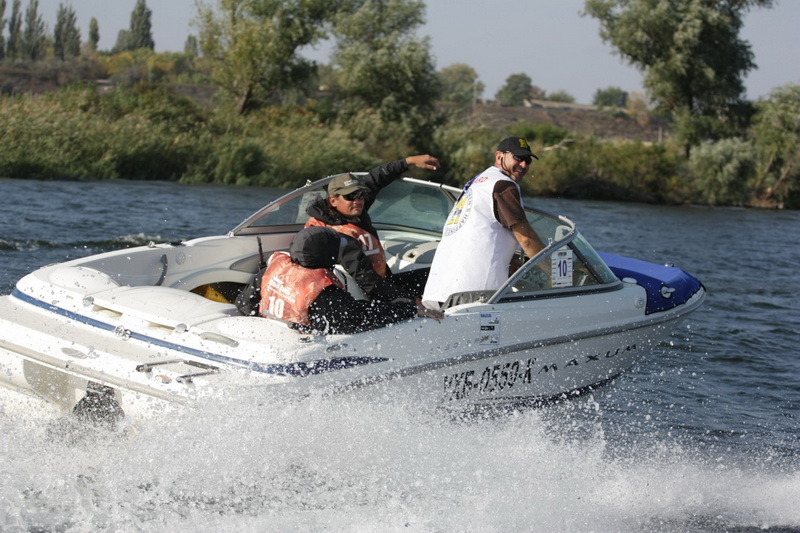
x=300 y=369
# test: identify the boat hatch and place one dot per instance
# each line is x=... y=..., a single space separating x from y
x=666 y=286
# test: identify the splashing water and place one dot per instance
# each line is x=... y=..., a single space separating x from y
x=251 y=463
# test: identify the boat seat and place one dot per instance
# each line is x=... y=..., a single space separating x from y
x=162 y=305
x=413 y=254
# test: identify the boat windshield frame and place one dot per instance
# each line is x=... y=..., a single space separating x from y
x=568 y=263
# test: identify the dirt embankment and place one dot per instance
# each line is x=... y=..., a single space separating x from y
x=575 y=118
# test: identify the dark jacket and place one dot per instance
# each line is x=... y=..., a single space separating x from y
x=335 y=311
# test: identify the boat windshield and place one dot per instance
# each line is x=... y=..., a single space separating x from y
x=566 y=265
x=408 y=202
x=414 y=204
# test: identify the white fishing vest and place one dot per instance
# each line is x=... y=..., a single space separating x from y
x=475 y=249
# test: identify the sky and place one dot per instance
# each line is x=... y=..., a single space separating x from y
x=546 y=39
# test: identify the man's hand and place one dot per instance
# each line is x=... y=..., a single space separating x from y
x=426 y=161
x=424 y=312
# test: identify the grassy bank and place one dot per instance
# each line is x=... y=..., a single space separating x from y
x=148 y=133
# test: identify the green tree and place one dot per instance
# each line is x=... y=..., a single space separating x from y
x=34 y=39
x=776 y=135
x=691 y=55
x=191 y=47
x=561 y=96
x=141 y=33
x=380 y=63
x=637 y=108
x=2 y=29
x=516 y=89
x=123 y=43
x=66 y=37
x=610 y=97
x=721 y=170
x=94 y=34
x=14 y=43
x=251 y=46
x=460 y=84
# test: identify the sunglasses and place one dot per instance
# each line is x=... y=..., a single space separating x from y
x=525 y=159
x=353 y=196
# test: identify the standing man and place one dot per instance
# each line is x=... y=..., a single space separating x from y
x=484 y=228
x=345 y=210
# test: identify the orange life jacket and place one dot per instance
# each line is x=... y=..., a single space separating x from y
x=288 y=289
x=370 y=244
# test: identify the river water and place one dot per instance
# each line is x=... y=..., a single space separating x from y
x=703 y=435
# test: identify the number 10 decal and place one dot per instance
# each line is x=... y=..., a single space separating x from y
x=561 y=268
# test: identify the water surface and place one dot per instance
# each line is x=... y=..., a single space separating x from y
x=703 y=435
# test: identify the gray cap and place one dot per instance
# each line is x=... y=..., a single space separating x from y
x=345 y=184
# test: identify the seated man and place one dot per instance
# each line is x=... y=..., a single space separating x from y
x=301 y=288
x=346 y=209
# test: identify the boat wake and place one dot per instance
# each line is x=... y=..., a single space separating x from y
x=250 y=462
x=98 y=246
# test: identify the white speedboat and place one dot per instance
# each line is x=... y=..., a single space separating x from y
x=133 y=330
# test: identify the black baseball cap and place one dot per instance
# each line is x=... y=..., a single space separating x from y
x=517 y=146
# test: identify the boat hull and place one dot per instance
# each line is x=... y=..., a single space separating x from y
x=436 y=364
x=534 y=372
